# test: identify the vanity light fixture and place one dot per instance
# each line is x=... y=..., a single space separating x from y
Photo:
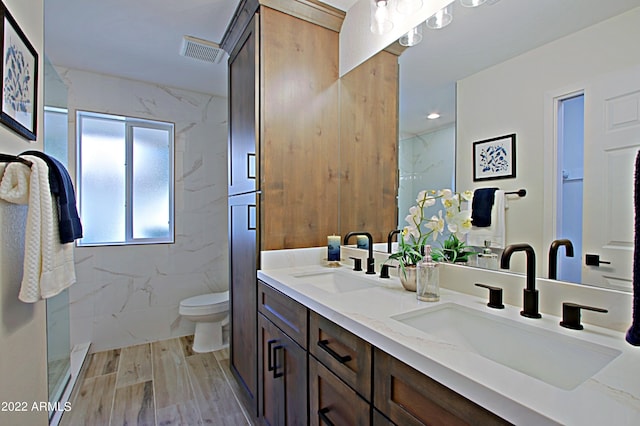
x=472 y=3
x=380 y=20
x=441 y=18
x=407 y=7
x=413 y=37
x=433 y=116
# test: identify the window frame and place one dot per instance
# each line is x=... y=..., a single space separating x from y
x=130 y=124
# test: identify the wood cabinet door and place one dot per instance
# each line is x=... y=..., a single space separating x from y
x=408 y=397
x=243 y=113
x=282 y=377
x=332 y=402
x=243 y=291
x=299 y=130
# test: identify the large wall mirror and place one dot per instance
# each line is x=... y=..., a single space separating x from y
x=492 y=71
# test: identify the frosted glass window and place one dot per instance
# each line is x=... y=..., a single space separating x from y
x=151 y=183
x=125 y=185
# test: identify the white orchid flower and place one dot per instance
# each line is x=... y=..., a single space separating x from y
x=436 y=225
x=410 y=231
x=451 y=202
x=425 y=198
x=414 y=217
x=460 y=223
x=445 y=193
x=467 y=195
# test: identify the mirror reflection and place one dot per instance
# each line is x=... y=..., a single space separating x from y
x=492 y=72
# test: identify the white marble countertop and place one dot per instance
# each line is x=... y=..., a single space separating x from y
x=611 y=396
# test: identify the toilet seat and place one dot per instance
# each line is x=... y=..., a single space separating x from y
x=205 y=304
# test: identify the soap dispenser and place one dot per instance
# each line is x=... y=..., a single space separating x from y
x=487 y=259
x=427 y=278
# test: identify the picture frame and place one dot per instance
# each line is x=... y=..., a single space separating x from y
x=19 y=70
x=494 y=158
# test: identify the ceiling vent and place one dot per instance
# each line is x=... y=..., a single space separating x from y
x=204 y=50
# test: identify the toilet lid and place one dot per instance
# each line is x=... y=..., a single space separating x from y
x=206 y=299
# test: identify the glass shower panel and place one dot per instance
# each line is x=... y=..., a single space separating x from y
x=58 y=344
x=56 y=134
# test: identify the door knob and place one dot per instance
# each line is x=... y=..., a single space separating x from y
x=594 y=260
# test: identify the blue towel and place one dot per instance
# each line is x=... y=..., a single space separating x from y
x=69 y=225
x=481 y=207
x=633 y=335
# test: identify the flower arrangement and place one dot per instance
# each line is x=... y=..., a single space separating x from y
x=416 y=234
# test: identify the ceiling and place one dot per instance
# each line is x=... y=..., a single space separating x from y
x=140 y=40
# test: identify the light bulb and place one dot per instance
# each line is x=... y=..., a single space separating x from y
x=472 y=3
x=413 y=37
x=380 y=22
x=441 y=18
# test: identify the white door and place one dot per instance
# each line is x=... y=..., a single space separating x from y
x=612 y=140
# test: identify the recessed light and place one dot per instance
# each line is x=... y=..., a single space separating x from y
x=433 y=116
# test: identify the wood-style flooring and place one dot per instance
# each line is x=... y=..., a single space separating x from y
x=160 y=383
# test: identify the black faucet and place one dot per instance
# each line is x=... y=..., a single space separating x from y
x=390 y=237
x=530 y=308
x=370 y=261
x=553 y=256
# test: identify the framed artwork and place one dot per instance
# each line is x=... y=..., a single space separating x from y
x=18 y=109
x=494 y=158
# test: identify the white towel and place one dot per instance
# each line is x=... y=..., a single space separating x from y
x=48 y=265
x=494 y=232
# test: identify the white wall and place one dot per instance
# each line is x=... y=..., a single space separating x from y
x=23 y=363
x=510 y=98
x=127 y=295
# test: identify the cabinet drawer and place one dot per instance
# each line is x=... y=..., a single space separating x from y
x=331 y=402
x=289 y=315
x=408 y=397
x=344 y=353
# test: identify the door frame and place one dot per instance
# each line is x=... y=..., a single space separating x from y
x=552 y=160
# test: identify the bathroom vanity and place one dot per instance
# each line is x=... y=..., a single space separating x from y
x=376 y=355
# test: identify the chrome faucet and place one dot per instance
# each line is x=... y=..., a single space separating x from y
x=390 y=238
x=530 y=294
x=553 y=255
x=370 y=261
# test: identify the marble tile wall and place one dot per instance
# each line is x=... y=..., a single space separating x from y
x=126 y=295
x=427 y=161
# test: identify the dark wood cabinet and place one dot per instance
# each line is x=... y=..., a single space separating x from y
x=332 y=402
x=282 y=376
x=408 y=397
x=243 y=291
x=243 y=140
x=286 y=147
x=283 y=103
x=289 y=315
x=344 y=353
x=313 y=371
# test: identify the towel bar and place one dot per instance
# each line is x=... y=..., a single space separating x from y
x=519 y=193
x=6 y=158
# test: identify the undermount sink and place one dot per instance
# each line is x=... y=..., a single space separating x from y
x=556 y=359
x=334 y=281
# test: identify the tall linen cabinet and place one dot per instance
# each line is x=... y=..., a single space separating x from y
x=283 y=137
x=285 y=161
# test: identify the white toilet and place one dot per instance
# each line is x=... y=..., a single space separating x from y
x=209 y=312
